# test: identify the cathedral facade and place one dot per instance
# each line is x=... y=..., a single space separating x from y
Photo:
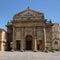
x=29 y=30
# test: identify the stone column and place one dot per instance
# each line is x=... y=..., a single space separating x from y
x=35 y=40
x=45 y=39
x=35 y=45
x=22 y=46
x=22 y=42
x=14 y=41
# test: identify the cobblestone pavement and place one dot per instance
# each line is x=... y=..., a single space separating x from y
x=29 y=55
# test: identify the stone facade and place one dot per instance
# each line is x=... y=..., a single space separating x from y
x=2 y=40
x=56 y=36
x=29 y=30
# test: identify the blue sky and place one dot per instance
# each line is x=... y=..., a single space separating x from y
x=50 y=8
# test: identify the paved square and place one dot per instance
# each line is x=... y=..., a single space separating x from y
x=29 y=55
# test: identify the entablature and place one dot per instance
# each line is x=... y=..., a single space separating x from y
x=28 y=24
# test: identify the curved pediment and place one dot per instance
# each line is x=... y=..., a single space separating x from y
x=28 y=14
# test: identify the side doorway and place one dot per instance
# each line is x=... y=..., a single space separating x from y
x=18 y=44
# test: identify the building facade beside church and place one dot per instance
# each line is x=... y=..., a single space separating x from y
x=56 y=36
x=2 y=40
x=29 y=30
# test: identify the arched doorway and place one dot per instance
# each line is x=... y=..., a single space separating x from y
x=28 y=41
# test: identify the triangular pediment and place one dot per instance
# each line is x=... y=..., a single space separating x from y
x=28 y=13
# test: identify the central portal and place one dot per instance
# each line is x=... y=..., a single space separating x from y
x=29 y=42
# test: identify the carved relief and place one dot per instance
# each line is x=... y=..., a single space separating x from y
x=40 y=35
x=28 y=31
x=18 y=34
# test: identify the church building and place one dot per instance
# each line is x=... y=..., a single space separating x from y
x=29 y=30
